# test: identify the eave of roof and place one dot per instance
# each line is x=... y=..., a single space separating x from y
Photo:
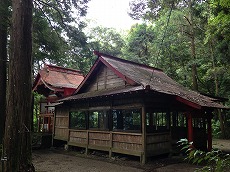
x=103 y=93
x=52 y=87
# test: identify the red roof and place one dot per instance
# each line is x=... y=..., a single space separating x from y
x=57 y=78
x=142 y=76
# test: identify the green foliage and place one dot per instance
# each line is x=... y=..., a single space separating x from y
x=151 y=10
x=106 y=40
x=36 y=110
x=58 y=36
x=216 y=132
x=140 y=40
x=215 y=161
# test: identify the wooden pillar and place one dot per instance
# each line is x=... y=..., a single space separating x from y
x=209 y=123
x=143 y=156
x=49 y=118
x=53 y=127
x=43 y=123
x=111 y=144
x=190 y=128
x=39 y=123
x=87 y=142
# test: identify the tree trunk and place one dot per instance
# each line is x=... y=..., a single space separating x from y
x=214 y=68
x=193 y=51
x=222 y=128
x=17 y=139
x=3 y=60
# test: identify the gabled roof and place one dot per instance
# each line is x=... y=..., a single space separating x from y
x=143 y=76
x=57 y=78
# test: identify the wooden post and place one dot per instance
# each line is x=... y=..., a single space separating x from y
x=143 y=156
x=111 y=145
x=190 y=128
x=43 y=124
x=53 y=126
x=87 y=142
x=174 y=119
x=49 y=124
x=209 y=123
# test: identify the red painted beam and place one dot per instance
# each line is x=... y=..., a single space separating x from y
x=187 y=102
x=69 y=91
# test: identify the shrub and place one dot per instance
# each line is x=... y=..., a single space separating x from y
x=214 y=161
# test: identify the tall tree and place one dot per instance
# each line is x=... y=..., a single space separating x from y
x=17 y=139
x=57 y=32
x=191 y=33
x=153 y=10
x=106 y=40
x=140 y=40
x=3 y=62
x=217 y=36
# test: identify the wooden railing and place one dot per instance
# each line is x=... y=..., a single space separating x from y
x=121 y=142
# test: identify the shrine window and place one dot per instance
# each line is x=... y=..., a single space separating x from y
x=99 y=119
x=157 y=121
x=126 y=120
x=78 y=120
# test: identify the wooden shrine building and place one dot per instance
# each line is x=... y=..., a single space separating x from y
x=131 y=108
x=54 y=83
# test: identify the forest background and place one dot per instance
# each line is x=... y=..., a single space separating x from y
x=188 y=39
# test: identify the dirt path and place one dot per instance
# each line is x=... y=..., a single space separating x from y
x=48 y=161
x=221 y=144
x=61 y=161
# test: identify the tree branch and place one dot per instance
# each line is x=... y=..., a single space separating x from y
x=187 y=20
x=56 y=9
x=49 y=21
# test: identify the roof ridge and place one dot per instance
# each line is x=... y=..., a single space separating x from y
x=62 y=69
x=126 y=61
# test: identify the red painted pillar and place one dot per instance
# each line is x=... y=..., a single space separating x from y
x=190 y=128
x=209 y=133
